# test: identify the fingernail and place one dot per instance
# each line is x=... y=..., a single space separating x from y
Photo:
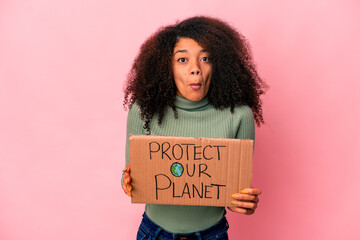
x=235 y=195
x=129 y=194
x=126 y=181
x=244 y=191
x=129 y=188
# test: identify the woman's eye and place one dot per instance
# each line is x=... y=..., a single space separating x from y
x=205 y=59
x=181 y=60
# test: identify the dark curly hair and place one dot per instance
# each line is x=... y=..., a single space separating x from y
x=234 y=81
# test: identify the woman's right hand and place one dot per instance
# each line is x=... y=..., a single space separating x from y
x=127 y=181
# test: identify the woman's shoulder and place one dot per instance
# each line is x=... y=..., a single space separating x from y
x=134 y=110
x=245 y=119
x=244 y=111
x=134 y=122
x=134 y=113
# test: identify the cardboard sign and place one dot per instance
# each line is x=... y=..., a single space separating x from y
x=189 y=171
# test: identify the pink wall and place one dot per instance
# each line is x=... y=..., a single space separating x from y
x=62 y=131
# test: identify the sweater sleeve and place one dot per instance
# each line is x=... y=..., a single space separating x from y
x=246 y=128
x=134 y=126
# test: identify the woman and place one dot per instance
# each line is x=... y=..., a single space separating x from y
x=193 y=79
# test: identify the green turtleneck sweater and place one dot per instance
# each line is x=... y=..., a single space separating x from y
x=195 y=119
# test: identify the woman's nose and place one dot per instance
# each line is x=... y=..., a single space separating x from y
x=195 y=69
x=195 y=72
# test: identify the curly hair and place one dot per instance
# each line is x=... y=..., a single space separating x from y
x=234 y=82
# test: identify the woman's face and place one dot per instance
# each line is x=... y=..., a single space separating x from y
x=192 y=69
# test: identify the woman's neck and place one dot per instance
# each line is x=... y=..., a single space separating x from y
x=186 y=104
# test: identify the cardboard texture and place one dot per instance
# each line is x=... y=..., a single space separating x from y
x=189 y=171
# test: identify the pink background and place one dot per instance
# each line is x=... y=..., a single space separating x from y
x=62 y=131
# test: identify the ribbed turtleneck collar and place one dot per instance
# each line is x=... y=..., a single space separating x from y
x=186 y=104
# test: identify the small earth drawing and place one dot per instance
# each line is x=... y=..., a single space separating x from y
x=177 y=169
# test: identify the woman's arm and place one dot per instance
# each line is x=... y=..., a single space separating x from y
x=134 y=126
x=246 y=201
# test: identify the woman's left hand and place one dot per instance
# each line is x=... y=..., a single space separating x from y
x=246 y=201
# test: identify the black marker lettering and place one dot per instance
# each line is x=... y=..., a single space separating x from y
x=206 y=191
x=156 y=184
x=204 y=152
x=218 y=189
x=187 y=170
x=173 y=152
x=164 y=152
x=203 y=171
x=151 y=150
x=187 y=191
x=218 y=150
x=187 y=149
x=174 y=191
x=202 y=191
x=196 y=153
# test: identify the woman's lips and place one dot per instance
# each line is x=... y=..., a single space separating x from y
x=195 y=86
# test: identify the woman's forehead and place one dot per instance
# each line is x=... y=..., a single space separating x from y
x=187 y=44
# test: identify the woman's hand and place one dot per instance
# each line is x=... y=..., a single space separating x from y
x=246 y=201
x=127 y=181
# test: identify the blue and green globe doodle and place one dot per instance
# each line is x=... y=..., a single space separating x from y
x=177 y=169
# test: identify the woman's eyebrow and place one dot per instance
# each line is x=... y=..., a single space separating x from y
x=180 y=51
x=184 y=50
